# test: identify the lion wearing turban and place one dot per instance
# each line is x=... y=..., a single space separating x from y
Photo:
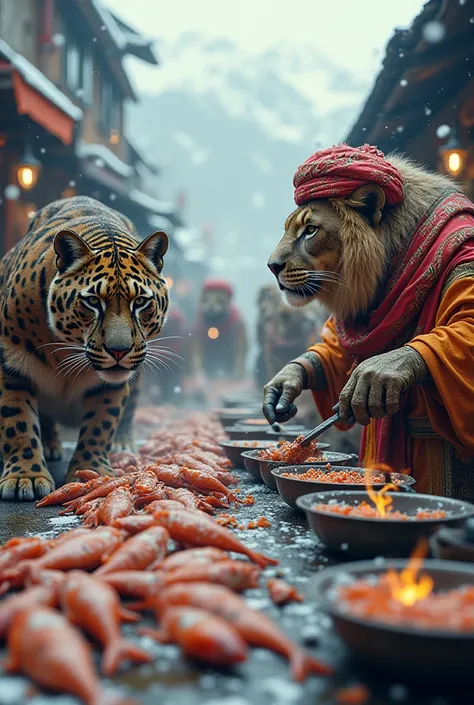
x=388 y=248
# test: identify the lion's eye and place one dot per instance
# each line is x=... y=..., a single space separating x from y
x=310 y=231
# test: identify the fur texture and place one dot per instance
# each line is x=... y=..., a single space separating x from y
x=339 y=251
x=80 y=299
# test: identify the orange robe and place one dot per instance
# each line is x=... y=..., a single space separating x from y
x=439 y=415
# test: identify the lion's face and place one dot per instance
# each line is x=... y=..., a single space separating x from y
x=308 y=259
x=332 y=252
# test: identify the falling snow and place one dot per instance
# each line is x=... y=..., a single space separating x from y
x=443 y=131
x=433 y=32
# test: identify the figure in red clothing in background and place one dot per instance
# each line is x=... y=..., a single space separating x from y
x=219 y=339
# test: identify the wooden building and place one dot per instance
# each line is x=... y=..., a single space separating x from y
x=63 y=89
x=422 y=102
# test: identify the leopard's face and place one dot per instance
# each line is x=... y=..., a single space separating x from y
x=108 y=304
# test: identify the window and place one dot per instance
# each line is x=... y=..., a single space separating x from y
x=87 y=76
x=78 y=69
x=109 y=106
x=73 y=65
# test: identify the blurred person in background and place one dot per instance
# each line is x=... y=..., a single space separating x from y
x=268 y=300
x=219 y=339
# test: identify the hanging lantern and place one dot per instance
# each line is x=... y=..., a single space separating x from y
x=213 y=333
x=454 y=156
x=28 y=170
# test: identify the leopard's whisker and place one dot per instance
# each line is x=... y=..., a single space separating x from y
x=164 y=360
x=159 y=360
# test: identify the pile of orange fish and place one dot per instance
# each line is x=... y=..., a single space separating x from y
x=56 y=591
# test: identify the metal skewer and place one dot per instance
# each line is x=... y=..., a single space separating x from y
x=323 y=427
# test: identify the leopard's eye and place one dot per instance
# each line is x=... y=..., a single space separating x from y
x=310 y=231
x=141 y=301
x=93 y=300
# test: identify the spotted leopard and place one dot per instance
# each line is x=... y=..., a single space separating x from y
x=80 y=299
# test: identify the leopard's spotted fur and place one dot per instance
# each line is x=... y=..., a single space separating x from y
x=80 y=298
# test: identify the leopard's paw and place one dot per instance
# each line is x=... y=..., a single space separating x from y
x=123 y=442
x=53 y=450
x=25 y=487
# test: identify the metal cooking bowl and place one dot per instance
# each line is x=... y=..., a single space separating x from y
x=261 y=424
x=244 y=433
x=252 y=465
x=228 y=417
x=287 y=432
x=266 y=466
x=234 y=449
x=291 y=488
x=249 y=399
x=404 y=652
x=367 y=538
x=452 y=545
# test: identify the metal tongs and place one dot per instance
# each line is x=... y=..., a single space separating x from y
x=324 y=426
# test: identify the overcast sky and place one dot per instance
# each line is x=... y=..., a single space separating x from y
x=351 y=32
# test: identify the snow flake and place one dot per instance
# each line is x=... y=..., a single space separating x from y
x=443 y=132
x=12 y=192
x=433 y=32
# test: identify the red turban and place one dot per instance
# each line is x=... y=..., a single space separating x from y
x=339 y=171
x=218 y=285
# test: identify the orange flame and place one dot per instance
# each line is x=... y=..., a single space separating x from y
x=407 y=587
x=213 y=333
x=379 y=499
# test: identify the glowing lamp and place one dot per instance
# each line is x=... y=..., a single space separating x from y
x=453 y=156
x=28 y=170
x=213 y=333
x=114 y=137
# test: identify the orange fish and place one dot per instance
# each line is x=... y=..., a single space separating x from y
x=236 y=575
x=281 y=592
x=66 y=493
x=21 y=549
x=201 y=636
x=135 y=523
x=186 y=497
x=95 y=607
x=84 y=551
x=157 y=504
x=168 y=474
x=200 y=530
x=135 y=583
x=101 y=490
x=33 y=597
x=45 y=647
x=117 y=504
x=145 y=499
x=205 y=482
x=87 y=475
x=139 y=552
x=254 y=627
x=192 y=556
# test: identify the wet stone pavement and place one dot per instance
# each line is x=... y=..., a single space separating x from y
x=264 y=679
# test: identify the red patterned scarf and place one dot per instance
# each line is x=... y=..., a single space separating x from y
x=443 y=240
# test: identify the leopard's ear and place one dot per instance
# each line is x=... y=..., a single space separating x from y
x=69 y=248
x=154 y=248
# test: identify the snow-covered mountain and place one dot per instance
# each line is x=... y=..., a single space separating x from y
x=230 y=128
